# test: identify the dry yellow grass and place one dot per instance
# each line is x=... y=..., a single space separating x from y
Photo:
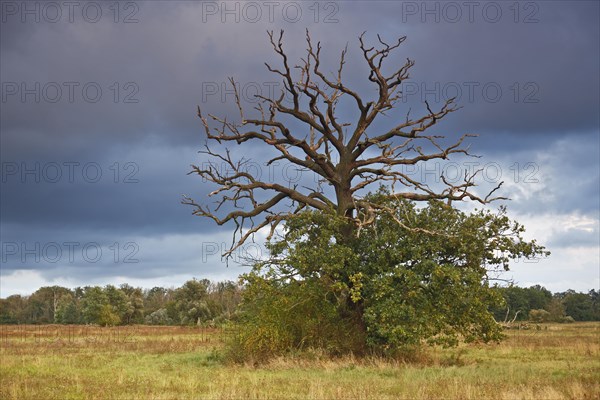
x=57 y=362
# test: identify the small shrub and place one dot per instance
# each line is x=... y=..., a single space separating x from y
x=282 y=319
x=539 y=315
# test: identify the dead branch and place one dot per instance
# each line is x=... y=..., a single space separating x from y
x=339 y=153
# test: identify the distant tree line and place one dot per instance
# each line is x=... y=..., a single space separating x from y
x=196 y=302
x=213 y=303
x=538 y=304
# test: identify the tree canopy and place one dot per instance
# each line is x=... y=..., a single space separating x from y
x=393 y=286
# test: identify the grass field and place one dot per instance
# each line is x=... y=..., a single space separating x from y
x=74 y=362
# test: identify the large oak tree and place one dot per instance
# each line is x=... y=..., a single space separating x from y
x=419 y=274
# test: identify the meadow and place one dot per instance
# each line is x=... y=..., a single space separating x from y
x=547 y=361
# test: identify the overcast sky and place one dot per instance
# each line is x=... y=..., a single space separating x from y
x=99 y=127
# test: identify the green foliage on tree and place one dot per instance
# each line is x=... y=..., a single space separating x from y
x=92 y=302
x=103 y=306
x=580 y=306
x=68 y=311
x=520 y=301
x=429 y=273
x=41 y=306
x=556 y=309
x=195 y=301
x=539 y=305
x=190 y=302
x=108 y=316
x=117 y=300
x=421 y=275
x=12 y=309
x=134 y=307
x=156 y=299
x=223 y=299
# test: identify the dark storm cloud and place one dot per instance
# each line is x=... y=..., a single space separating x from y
x=556 y=55
x=152 y=73
x=170 y=55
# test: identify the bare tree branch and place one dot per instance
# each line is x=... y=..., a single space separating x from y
x=348 y=160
